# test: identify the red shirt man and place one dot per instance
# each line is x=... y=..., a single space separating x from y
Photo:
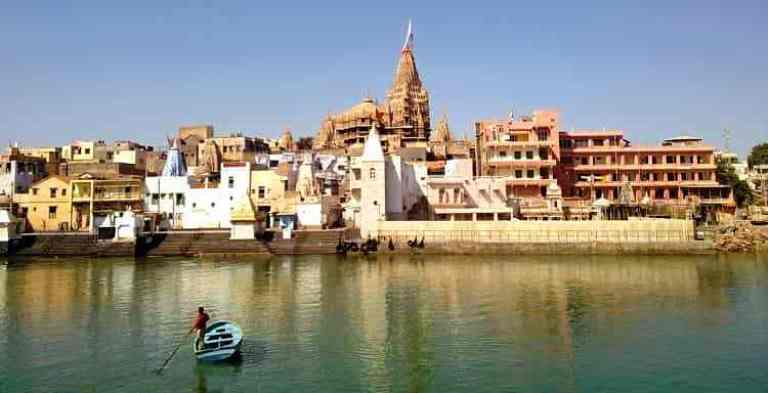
x=199 y=326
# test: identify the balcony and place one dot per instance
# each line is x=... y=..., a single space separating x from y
x=641 y=167
x=117 y=196
x=520 y=144
x=512 y=181
x=519 y=163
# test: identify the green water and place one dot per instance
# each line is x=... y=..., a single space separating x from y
x=400 y=324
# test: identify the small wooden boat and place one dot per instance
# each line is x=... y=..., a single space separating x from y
x=221 y=341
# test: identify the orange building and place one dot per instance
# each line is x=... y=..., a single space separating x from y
x=525 y=151
x=604 y=164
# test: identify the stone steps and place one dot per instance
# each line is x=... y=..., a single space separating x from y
x=71 y=245
x=306 y=242
x=196 y=243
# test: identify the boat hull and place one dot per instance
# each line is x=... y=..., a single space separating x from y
x=221 y=341
x=218 y=355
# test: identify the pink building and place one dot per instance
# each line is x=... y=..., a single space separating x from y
x=604 y=164
x=524 y=151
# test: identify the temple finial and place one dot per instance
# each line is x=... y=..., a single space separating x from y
x=408 y=45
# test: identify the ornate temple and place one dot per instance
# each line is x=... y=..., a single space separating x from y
x=403 y=119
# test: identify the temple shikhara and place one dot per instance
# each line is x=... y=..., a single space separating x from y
x=403 y=119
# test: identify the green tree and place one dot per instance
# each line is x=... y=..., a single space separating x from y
x=758 y=155
x=726 y=175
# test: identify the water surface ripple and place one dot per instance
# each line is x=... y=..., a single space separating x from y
x=390 y=324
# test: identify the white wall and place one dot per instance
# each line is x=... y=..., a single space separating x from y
x=16 y=177
x=211 y=207
x=394 y=184
x=310 y=214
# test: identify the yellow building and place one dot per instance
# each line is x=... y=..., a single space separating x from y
x=271 y=190
x=85 y=151
x=47 y=205
x=93 y=198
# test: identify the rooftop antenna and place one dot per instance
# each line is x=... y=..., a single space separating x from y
x=727 y=140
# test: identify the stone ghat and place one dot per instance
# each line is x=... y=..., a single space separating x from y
x=555 y=248
x=70 y=244
x=194 y=243
x=308 y=242
x=180 y=243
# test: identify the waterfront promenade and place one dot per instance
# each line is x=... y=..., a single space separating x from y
x=636 y=236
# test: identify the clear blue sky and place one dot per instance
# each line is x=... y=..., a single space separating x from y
x=138 y=70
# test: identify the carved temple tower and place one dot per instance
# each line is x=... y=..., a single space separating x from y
x=403 y=119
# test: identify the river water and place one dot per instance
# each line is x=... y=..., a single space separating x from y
x=400 y=324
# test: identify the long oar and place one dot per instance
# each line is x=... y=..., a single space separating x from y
x=165 y=363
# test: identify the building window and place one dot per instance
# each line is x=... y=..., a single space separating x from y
x=180 y=200
x=53 y=192
x=231 y=182
x=34 y=191
x=51 y=212
x=194 y=205
x=529 y=155
x=456 y=195
x=502 y=154
x=213 y=204
x=63 y=192
x=518 y=155
x=530 y=174
x=519 y=174
x=262 y=192
x=127 y=190
x=373 y=174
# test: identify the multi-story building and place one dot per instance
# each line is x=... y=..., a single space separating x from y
x=272 y=190
x=604 y=164
x=191 y=137
x=131 y=153
x=524 y=151
x=86 y=151
x=51 y=155
x=403 y=119
x=18 y=172
x=47 y=205
x=93 y=199
x=233 y=148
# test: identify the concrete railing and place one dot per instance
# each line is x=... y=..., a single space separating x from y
x=631 y=231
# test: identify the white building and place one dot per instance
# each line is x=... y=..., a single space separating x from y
x=185 y=204
x=210 y=207
x=382 y=188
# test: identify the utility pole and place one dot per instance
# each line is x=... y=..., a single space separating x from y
x=727 y=140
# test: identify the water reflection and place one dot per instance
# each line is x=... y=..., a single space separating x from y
x=413 y=323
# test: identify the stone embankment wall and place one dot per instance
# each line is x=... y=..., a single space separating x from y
x=194 y=243
x=645 y=230
x=642 y=236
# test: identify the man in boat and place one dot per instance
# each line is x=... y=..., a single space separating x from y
x=199 y=327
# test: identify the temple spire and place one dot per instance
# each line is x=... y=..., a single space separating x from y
x=408 y=45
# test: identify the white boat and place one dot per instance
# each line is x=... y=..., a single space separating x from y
x=221 y=341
